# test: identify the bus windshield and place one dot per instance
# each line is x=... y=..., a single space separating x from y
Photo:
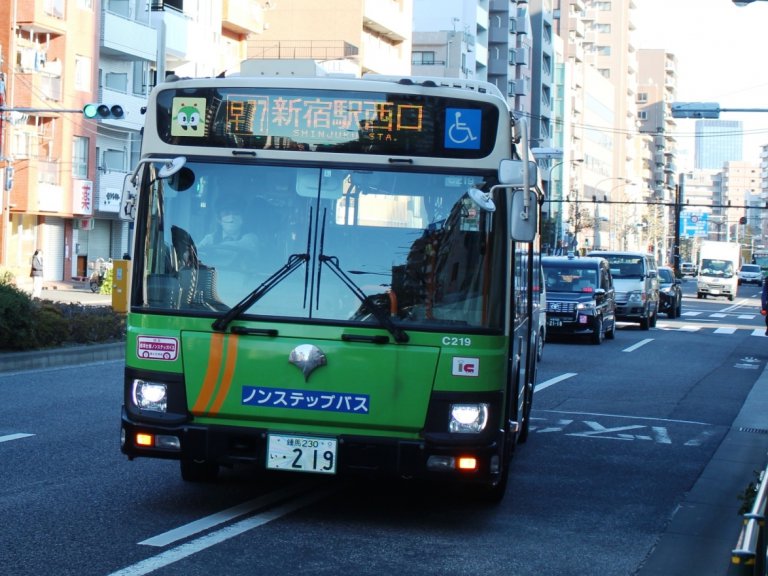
x=323 y=243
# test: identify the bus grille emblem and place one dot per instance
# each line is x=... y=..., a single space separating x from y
x=307 y=357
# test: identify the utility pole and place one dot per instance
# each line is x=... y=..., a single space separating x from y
x=679 y=198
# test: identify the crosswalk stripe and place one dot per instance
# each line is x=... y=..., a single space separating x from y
x=758 y=332
x=725 y=330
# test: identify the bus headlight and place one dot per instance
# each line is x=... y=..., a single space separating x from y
x=150 y=395
x=468 y=418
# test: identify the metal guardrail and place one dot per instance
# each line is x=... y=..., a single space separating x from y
x=749 y=556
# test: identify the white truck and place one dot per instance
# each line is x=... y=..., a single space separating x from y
x=718 y=266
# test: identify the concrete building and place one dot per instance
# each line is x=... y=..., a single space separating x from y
x=63 y=173
x=354 y=36
x=48 y=57
x=657 y=146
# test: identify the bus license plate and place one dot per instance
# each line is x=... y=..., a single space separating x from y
x=301 y=454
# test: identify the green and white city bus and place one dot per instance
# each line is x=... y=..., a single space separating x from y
x=374 y=318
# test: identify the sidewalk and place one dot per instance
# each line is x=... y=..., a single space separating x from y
x=71 y=292
x=706 y=526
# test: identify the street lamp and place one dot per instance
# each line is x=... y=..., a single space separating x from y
x=596 y=228
x=551 y=195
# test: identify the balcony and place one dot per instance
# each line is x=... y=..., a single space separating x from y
x=42 y=16
x=45 y=86
x=242 y=17
x=386 y=19
x=303 y=49
x=121 y=37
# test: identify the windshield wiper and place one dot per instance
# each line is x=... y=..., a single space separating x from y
x=381 y=315
x=294 y=262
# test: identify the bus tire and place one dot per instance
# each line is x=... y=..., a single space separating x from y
x=198 y=470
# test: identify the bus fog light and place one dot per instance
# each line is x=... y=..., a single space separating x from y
x=468 y=418
x=440 y=463
x=150 y=395
x=167 y=442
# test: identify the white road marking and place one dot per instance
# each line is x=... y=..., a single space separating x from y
x=224 y=516
x=638 y=345
x=725 y=330
x=204 y=542
x=542 y=385
x=691 y=313
x=9 y=437
x=758 y=332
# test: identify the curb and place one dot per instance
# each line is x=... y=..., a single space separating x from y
x=51 y=358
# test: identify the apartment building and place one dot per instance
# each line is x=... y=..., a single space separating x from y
x=47 y=71
x=352 y=36
x=63 y=173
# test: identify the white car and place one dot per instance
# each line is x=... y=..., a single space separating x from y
x=688 y=269
x=750 y=274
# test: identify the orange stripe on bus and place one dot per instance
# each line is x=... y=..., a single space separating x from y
x=229 y=369
x=211 y=375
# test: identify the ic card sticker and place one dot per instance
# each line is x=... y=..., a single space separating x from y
x=469 y=367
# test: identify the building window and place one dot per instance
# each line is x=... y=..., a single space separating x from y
x=642 y=97
x=642 y=115
x=116 y=81
x=603 y=6
x=603 y=50
x=114 y=160
x=83 y=73
x=602 y=28
x=80 y=157
x=423 y=58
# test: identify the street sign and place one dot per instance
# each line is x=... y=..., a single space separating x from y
x=694 y=224
x=695 y=110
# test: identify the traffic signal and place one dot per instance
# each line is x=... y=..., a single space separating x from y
x=103 y=112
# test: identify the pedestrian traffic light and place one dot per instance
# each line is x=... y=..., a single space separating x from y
x=103 y=111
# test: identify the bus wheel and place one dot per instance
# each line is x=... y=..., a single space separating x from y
x=199 y=471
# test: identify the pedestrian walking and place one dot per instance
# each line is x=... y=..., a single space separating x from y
x=764 y=303
x=37 y=274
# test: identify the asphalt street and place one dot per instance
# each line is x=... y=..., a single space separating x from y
x=701 y=529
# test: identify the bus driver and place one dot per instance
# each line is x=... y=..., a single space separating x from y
x=231 y=232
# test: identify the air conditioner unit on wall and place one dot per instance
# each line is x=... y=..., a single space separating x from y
x=522 y=56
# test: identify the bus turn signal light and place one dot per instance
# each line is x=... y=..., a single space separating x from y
x=144 y=439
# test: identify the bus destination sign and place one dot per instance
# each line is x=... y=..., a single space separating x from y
x=329 y=121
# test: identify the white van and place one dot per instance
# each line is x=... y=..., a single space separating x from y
x=635 y=278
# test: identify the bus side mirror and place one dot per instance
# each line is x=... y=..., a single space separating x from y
x=523 y=217
x=128 y=197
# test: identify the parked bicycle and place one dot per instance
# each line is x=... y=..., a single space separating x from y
x=98 y=272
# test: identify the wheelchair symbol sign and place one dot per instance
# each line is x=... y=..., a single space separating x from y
x=462 y=128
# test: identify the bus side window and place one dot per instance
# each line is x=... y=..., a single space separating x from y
x=163 y=291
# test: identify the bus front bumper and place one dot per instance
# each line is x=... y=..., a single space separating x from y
x=357 y=455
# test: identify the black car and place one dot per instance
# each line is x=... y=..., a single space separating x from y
x=580 y=297
x=670 y=293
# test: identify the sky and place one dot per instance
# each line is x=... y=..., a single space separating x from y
x=722 y=57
